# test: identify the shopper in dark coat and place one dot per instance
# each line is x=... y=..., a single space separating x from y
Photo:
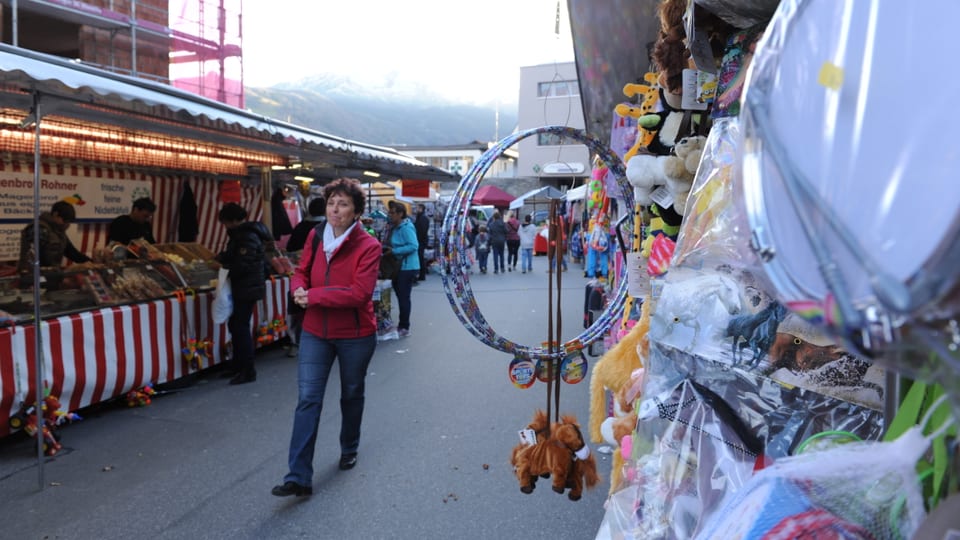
x=317 y=208
x=498 y=240
x=422 y=225
x=245 y=258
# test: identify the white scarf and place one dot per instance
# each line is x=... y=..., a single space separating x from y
x=330 y=242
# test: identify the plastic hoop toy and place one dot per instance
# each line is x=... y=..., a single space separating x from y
x=453 y=256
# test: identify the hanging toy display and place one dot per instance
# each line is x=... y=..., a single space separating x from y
x=271 y=331
x=454 y=252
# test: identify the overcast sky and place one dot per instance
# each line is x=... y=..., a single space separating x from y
x=456 y=47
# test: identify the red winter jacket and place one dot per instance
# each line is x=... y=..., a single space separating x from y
x=340 y=292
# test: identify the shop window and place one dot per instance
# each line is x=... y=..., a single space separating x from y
x=558 y=89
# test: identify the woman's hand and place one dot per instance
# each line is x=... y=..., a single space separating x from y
x=300 y=297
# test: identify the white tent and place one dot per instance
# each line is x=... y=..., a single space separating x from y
x=539 y=195
x=577 y=193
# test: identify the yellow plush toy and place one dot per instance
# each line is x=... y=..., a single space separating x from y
x=649 y=96
x=613 y=372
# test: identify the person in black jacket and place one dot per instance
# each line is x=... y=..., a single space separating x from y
x=317 y=209
x=137 y=224
x=498 y=240
x=245 y=258
x=422 y=224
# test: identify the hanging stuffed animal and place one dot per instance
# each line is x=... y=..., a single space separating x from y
x=681 y=168
x=564 y=455
x=614 y=372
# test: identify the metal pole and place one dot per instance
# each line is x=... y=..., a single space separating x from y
x=38 y=335
x=133 y=37
x=15 y=22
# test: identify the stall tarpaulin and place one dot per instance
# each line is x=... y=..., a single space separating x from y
x=492 y=195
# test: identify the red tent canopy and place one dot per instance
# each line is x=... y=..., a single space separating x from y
x=492 y=195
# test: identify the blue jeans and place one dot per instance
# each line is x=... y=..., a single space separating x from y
x=240 y=334
x=482 y=257
x=526 y=259
x=498 y=257
x=402 y=286
x=314 y=364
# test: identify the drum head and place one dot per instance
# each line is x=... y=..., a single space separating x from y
x=843 y=104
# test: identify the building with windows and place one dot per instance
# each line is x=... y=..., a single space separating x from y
x=550 y=95
x=457 y=159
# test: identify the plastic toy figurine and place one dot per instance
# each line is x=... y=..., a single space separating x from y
x=26 y=419
x=141 y=397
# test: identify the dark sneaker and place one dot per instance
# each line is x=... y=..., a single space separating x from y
x=291 y=488
x=348 y=461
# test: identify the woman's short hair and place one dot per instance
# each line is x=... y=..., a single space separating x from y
x=398 y=208
x=349 y=187
x=232 y=212
x=496 y=215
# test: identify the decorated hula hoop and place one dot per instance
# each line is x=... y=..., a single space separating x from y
x=454 y=258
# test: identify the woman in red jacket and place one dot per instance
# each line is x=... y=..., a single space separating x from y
x=339 y=323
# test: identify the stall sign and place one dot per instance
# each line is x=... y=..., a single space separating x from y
x=415 y=188
x=95 y=199
x=230 y=191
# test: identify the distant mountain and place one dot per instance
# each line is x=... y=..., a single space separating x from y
x=390 y=114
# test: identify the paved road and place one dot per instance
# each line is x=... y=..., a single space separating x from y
x=441 y=418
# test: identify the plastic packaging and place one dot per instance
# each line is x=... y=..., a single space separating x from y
x=830 y=194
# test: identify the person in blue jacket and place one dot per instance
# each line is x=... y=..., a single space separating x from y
x=403 y=239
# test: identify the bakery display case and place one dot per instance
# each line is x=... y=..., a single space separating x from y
x=195 y=264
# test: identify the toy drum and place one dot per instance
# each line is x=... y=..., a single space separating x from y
x=850 y=178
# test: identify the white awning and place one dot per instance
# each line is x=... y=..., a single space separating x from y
x=55 y=76
x=539 y=195
x=577 y=193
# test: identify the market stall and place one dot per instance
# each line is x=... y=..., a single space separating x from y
x=99 y=140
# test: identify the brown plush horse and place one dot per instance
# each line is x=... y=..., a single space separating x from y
x=541 y=428
x=563 y=455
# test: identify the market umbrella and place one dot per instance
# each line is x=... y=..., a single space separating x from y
x=492 y=195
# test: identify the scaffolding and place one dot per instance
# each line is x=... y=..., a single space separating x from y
x=206 y=56
x=195 y=45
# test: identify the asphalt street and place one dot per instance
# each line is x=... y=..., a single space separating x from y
x=440 y=421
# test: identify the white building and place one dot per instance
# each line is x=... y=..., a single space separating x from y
x=550 y=95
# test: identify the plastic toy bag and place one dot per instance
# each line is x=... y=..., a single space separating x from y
x=828 y=199
x=712 y=232
x=781 y=416
x=865 y=490
x=741 y=13
x=223 y=301
x=695 y=454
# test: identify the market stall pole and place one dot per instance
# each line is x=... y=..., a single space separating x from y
x=38 y=340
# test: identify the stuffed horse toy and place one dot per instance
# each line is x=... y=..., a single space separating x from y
x=564 y=455
x=540 y=426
